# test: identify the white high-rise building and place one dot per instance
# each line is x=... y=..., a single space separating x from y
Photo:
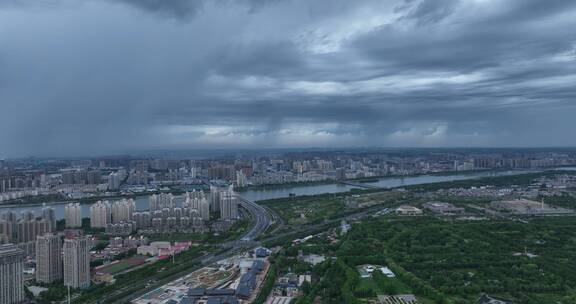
x=153 y=201
x=73 y=215
x=49 y=214
x=241 y=179
x=48 y=258
x=100 y=214
x=194 y=172
x=122 y=210
x=161 y=201
x=228 y=205
x=215 y=196
x=11 y=274
x=204 y=209
x=142 y=219
x=196 y=200
x=77 y=262
x=167 y=200
x=114 y=180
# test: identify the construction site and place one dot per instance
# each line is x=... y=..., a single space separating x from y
x=231 y=281
x=529 y=207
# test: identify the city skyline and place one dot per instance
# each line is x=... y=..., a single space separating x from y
x=283 y=74
x=207 y=154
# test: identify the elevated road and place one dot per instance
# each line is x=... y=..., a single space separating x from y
x=262 y=218
x=359 y=185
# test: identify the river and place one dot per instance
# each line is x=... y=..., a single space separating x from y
x=280 y=192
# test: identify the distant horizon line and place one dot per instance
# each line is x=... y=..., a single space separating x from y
x=204 y=151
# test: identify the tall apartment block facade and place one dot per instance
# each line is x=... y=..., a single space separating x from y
x=77 y=262
x=73 y=215
x=48 y=258
x=11 y=274
x=100 y=214
x=228 y=206
x=196 y=200
x=122 y=210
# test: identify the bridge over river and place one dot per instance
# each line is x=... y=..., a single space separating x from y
x=359 y=185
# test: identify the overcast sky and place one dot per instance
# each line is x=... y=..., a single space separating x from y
x=84 y=77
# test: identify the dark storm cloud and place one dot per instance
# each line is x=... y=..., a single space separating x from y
x=176 y=8
x=186 y=9
x=92 y=77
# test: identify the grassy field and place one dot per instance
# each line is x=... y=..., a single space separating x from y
x=383 y=285
x=116 y=268
x=304 y=210
x=124 y=264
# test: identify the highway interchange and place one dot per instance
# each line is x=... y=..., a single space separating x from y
x=261 y=216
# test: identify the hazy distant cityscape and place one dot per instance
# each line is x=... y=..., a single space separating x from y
x=108 y=176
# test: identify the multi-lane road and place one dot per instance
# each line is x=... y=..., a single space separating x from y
x=262 y=218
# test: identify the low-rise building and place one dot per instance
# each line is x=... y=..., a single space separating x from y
x=248 y=282
x=147 y=250
x=443 y=208
x=163 y=248
x=367 y=270
x=408 y=210
x=396 y=299
x=261 y=252
x=121 y=228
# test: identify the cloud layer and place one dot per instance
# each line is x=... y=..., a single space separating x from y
x=93 y=77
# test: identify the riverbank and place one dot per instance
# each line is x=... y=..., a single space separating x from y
x=267 y=193
x=371 y=179
x=522 y=179
x=58 y=200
